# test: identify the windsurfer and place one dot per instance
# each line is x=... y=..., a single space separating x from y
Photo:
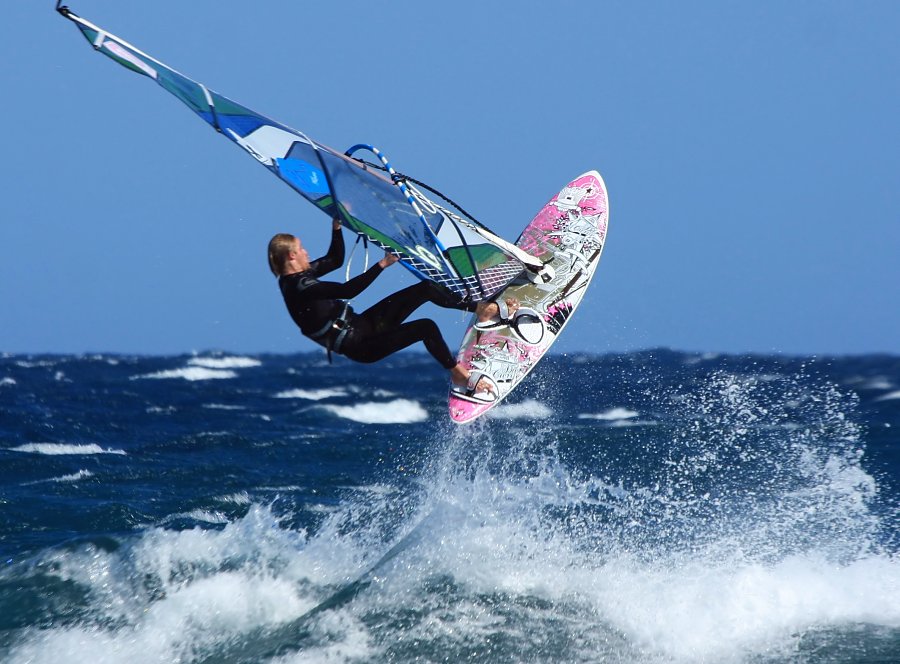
x=320 y=310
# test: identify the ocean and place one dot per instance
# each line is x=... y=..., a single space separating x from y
x=646 y=507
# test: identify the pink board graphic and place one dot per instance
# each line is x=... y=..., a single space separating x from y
x=568 y=234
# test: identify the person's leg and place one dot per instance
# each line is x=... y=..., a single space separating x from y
x=397 y=307
x=364 y=345
x=378 y=345
x=385 y=333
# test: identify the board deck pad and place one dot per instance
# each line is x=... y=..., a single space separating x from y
x=569 y=234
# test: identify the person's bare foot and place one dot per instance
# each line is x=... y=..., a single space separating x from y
x=486 y=311
x=459 y=375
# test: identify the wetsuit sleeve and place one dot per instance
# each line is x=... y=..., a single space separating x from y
x=333 y=259
x=323 y=290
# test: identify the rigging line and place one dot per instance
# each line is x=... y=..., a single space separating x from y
x=522 y=256
x=451 y=218
x=403 y=176
x=398 y=180
x=365 y=242
x=414 y=202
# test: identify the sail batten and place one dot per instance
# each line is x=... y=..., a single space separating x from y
x=431 y=241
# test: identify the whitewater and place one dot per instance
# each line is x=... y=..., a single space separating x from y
x=642 y=507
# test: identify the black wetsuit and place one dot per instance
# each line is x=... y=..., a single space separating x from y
x=318 y=309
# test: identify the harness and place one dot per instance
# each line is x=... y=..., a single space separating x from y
x=341 y=324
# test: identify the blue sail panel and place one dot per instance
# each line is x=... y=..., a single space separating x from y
x=367 y=201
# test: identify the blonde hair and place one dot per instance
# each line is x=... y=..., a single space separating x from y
x=279 y=247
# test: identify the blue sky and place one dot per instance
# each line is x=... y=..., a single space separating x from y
x=751 y=150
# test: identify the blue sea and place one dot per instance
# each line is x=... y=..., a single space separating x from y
x=653 y=506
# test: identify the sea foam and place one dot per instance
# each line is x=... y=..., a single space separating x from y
x=610 y=415
x=189 y=373
x=191 y=588
x=398 y=411
x=65 y=479
x=53 y=449
x=312 y=395
x=224 y=362
x=205 y=368
x=530 y=409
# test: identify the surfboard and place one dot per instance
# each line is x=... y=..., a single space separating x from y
x=568 y=235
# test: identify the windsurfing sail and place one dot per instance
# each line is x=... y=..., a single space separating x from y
x=432 y=241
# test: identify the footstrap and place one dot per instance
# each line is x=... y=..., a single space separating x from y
x=470 y=393
x=500 y=320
